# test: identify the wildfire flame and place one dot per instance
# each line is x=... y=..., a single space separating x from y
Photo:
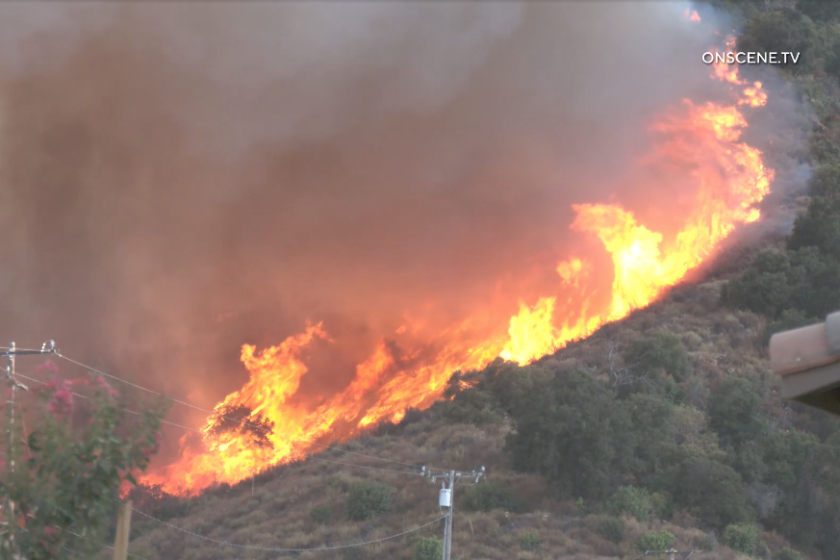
x=259 y=425
x=693 y=15
x=751 y=94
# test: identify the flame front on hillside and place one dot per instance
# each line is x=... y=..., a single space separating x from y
x=411 y=368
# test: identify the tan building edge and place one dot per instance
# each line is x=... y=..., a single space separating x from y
x=808 y=360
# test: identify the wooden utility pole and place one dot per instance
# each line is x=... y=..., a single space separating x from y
x=123 y=531
x=9 y=513
x=447 y=544
x=11 y=445
x=447 y=500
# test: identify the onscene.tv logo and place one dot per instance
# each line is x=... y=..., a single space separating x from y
x=741 y=57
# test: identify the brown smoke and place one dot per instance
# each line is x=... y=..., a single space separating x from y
x=179 y=179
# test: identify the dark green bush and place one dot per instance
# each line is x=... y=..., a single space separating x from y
x=368 y=499
x=743 y=538
x=787 y=554
x=632 y=500
x=722 y=500
x=819 y=10
x=660 y=352
x=428 y=548
x=610 y=528
x=530 y=541
x=784 y=29
x=661 y=506
x=320 y=515
x=490 y=496
x=663 y=540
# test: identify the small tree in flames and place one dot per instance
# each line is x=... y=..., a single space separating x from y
x=77 y=458
x=238 y=419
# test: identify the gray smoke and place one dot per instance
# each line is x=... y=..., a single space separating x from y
x=179 y=179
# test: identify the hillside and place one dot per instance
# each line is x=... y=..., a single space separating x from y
x=280 y=508
x=664 y=429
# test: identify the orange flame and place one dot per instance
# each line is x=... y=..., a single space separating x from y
x=729 y=177
x=752 y=95
x=692 y=15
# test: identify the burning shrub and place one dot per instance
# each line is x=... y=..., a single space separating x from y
x=367 y=499
x=238 y=419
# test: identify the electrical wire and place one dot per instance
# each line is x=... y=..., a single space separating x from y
x=103 y=544
x=313 y=457
x=85 y=397
x=211 y=412
x=278 y=549
x=497 y=543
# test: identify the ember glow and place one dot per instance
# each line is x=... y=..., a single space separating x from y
x=752 y=94
x=410 y=368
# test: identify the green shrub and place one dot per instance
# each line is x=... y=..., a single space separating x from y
x=490 y=496
x=320 y=515
x=787 y=554
x=663 y=540
x=744 y=538
x=710 y=491
x=709 y=543
x=632 y=500
x=819 y=10
x=778 y=30
x=530 y=541
x=428 y=548
x=368 y=499
x=610 y=528
x=660 y=505
x=659 y=352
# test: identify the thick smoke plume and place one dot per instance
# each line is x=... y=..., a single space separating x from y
x=179 y=179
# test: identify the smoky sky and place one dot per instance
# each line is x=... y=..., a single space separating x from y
x=179 y=179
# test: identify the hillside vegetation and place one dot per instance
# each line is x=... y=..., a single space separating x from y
x=665 y=429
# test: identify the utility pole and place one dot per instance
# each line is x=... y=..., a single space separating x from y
x=123 y=531
x=447 y=499
x=9 y=509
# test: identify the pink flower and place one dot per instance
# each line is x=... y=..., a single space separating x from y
x=50 y=531
x=62 y=399
x=47 y=366
x=111 y=391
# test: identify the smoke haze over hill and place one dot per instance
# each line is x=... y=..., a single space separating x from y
x=177 y=180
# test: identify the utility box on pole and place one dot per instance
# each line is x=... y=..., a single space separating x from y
x=445 y=497
x=446 y=500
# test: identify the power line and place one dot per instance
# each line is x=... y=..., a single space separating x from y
x=496 y=542
x=213 y=412
x=103 y=544
x=313 y=457
x=277 y=549
x=85 y=397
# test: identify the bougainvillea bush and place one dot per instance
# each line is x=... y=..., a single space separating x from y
x=85 y=442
